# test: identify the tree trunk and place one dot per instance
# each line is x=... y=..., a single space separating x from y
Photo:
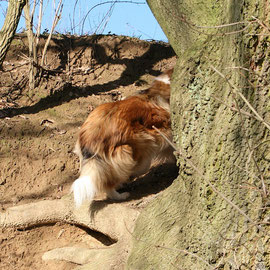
x=32 y=47
x=10 y=25
x=215 y=216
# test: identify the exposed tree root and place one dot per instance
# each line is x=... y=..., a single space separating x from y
x=108 y=219
x=101 y=258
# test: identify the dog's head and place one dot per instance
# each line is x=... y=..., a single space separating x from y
x=160 y=88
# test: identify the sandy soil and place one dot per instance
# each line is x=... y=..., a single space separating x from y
x=38 y=130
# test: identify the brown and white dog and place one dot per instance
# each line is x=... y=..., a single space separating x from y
x=118 y=141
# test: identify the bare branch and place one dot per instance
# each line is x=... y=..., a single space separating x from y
x=108 y=2
x=235 y=109
x=105 y=18
x=31 y=43
x=39 y=20
x=222 y=25
x=261 y=23
x=196 y=27
x=236 y=91
x=55 y=21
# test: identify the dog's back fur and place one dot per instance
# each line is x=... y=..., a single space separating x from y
x=118 y=141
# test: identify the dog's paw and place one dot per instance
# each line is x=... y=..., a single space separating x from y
x=124 y=195
x=113 y=194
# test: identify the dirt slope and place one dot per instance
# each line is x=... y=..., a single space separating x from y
x=38 y=130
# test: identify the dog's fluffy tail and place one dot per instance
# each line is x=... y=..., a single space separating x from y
x=83 y=189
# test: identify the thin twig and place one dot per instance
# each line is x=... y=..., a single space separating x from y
x=245 y=170
x=15 y=67
x=73 y=19
x=236 y=91
x=55 y=21
x=103 y=3
x=190 y=163
x=258 y=145
x=261 y=23
x=195 y=27
x=106 y=17
x=235 y=109
x=222 y=25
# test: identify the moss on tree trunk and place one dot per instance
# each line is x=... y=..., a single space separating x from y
x=190 y=226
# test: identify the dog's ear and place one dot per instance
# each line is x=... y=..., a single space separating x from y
x=161 y=86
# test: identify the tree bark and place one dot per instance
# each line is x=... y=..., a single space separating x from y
x=32 y=47
x=10 y=25
x=215 y=216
